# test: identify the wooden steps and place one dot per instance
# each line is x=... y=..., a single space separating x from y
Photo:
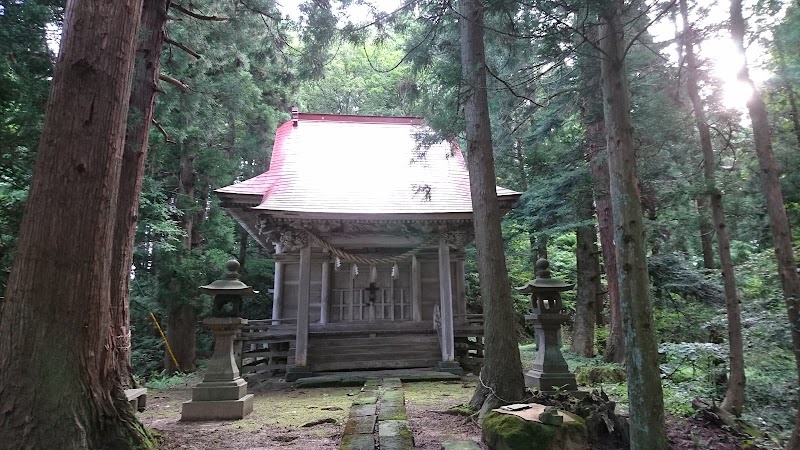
x=373 y=351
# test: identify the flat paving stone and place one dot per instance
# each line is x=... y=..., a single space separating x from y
x=358 y=442
x=393 y=413
x=329 y=381
x=388 y=428
x=391 y=383
x=393 y=398
x=373 y=382
x=360 y=425
x=460 y=445
x=365 y=400
x=405 y=442
x=362 y=410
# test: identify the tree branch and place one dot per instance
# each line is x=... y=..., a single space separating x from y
x=167 y=140
x=183 y=47
x=196 y=15
x=645 y=28
x=177 y=83
x=511 y=88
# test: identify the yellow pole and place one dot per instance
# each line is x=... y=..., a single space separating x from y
x=169 y=349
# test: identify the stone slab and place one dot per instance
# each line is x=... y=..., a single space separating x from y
x=357 y=442
x=391 y=383
x=217 y=410
x=430 y=376
x=460 y=445
x=405 y=442
x=329 y=381
x=388 y=428
x=362 y=410
x=393 y=413
x=393 y=398
x=137 y=398
x=360 y=425
x=451 y=367
x=365 y=400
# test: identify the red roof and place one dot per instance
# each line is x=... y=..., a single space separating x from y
x=361 y=165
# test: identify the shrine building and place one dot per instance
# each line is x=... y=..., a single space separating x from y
x=368 y=218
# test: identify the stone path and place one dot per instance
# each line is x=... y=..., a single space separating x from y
x=378 y=415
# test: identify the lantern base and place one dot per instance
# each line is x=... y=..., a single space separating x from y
x=550 y=382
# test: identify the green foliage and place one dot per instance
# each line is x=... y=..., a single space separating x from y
x=362 y=79
x=26 y=66
x=671 y=276
x=162 y=382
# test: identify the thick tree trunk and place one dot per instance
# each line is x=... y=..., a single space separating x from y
x=502 y=369
x=779 y=224
x=644 y=381
x=181 y=335
x=588 y=274
x=143 y=95
x=59 y=387
x=182 y=318
x=734 y=396
x=593 y=121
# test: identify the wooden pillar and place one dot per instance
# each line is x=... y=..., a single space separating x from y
x=303 y=293
x=416 y=284
x=277 y=289
x=446 y=302
x=325 y=295
x=461 y=291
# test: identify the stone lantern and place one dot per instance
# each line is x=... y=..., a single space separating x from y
x=222 y=395
x=549 y=372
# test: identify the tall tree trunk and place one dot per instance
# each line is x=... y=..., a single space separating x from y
x=59 y=386
x=706 y=233
x=588 y=274
x=181 y=335
x=502 y=369
x=594 y=124
x=779 y=224
x=182 y=318
x=644 y=379
x=734 y=396
x=143 y=95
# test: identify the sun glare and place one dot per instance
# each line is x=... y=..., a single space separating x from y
x=726 y=61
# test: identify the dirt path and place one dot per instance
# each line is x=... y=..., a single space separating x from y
x=279 y=411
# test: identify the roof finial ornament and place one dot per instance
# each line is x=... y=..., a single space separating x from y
x=295 y=116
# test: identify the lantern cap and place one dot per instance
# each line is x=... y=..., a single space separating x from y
x=230 y=283
x=543 y=281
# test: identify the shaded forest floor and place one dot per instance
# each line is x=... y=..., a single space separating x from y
x=280 y=412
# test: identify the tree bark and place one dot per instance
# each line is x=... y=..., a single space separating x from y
x=594 y=124
x=647 y=430
x=181 y=335
x=734 y=396
x=502 y=369
x=134 y=155
x=706 y=234
x=182 y=318
x=59 y=386
x=588 y=273
x=779 y=223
